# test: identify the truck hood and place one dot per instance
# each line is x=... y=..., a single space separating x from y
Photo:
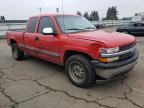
x=110 y=39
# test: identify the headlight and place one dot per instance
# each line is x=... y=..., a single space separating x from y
x=109 y=50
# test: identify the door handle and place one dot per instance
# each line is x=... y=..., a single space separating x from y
x=36 y=38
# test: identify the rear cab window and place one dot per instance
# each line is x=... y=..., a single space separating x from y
x=32 y=25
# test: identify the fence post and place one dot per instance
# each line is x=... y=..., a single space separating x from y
x=8 y=26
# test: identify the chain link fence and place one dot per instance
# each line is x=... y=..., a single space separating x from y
x=4 y=27
x=111 y=23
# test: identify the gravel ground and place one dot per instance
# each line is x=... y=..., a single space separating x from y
x=34 y=83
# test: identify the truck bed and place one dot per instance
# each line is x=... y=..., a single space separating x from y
x=12 y=35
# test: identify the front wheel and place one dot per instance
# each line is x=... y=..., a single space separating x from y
x=16 y=52
x=79 y=70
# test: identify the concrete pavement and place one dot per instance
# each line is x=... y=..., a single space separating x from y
x=33 y=83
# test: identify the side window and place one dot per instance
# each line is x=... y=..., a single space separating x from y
x=135 y=25
x=44 y=23
x=139 y=25
x=142 y=24
x=32 y=25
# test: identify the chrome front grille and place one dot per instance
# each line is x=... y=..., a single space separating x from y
x=125 y=51
x=127 y=47
x=121 y=57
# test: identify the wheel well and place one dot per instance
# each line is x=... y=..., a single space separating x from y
x=12 y=41
x=67 y=54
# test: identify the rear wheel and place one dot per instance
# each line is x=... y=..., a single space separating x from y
x=80 y=71
x=16 y=52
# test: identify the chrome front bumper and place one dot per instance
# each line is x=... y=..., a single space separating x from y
x=111 y=73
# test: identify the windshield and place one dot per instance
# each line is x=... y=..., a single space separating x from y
x=70 y=24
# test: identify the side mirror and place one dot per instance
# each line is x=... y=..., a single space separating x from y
x=48 y=31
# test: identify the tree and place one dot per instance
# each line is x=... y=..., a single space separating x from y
x=127 y=18
x=86 y=15
x=94 y=16
x=112 y=13
x=136 y=14
x=2 y=18
x=79 y=13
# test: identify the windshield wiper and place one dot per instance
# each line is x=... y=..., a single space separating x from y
x=76 y=29
x=89 y=28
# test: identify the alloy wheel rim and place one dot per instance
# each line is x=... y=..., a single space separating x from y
x=77 y=72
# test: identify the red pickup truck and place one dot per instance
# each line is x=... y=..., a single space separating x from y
x=87 y=54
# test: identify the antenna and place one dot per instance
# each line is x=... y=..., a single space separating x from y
x=40 y=9
x=62 y=7
x=63 y=14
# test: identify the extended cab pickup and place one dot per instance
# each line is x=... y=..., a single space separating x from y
x=88 y=55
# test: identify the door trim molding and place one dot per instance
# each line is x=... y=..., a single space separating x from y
x=37 y=50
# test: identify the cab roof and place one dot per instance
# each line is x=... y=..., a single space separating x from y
x=53 y=15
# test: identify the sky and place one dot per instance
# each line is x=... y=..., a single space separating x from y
x=22 y=9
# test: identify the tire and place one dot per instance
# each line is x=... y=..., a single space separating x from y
x=80 y=71
x=16 y=52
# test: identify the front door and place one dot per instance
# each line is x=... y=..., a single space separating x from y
x=139 y=28
x=47 y=44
